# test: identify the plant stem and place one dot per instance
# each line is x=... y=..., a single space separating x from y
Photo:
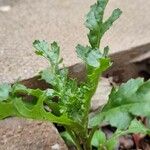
x=91 y=135
x=89 y=96
x=86 y=146
x=99 y=39
x=77 y=143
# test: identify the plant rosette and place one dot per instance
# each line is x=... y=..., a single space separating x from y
x=68 y=102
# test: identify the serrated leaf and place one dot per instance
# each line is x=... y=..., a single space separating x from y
x=72 y=103
x=109 y=22
x=125 y=103
x=124 y=92
x=21 y=89
x=42 y=48
x=17 y=107
x=94 y=21
x=48 y=76
x=51 y=52
x=82 y=51
x=93 y=58
x=90 y=56
x=5 y=89
x=37 y=112
x=96 y=25
x=55 y=50
x=7 y=109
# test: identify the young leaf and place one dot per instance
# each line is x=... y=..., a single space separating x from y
x=125 y=103
x=55 y=50
x=138 y=127
x=48 y=76
x=109 y=22
x=90 y=56
x=94 y=21
x=42 y=48
x=5 y=89
x=51 y=52
x=99 y=139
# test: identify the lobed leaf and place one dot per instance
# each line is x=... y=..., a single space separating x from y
x=50 y=52
x=90 y=56
x=17 y=107
x=109 y=22
x=48 y=76
x=94 y=21
x=96 y=25
x=125 y=103
x=7 y=109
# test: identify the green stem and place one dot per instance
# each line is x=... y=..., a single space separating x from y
x=91 y=136
x=87 y=140
x=87 y=146
x=99 y=39
x=77 y=143
x=89 y=97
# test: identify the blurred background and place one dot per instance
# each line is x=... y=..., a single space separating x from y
x=23 y=21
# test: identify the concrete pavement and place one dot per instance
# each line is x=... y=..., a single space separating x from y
x=62 y=20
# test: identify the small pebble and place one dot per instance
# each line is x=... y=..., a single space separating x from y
x=5 y=8
x=56 y=147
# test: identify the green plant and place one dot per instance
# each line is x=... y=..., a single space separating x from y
x=68 y=103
